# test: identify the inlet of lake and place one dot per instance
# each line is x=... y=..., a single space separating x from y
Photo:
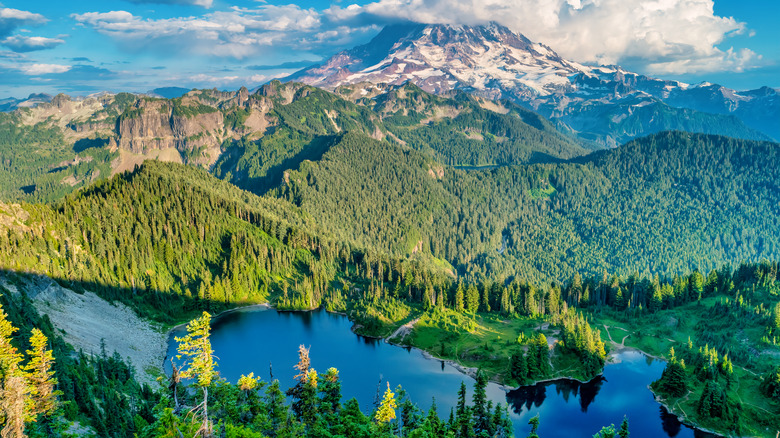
x=262 y=340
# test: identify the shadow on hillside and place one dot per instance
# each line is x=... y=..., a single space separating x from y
x=542 y=158
x=273 y=177
x=165 y=308
x=88 y=143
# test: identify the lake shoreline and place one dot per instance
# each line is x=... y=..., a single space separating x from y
x=169 y=332
x=682 y=417
x=466 y=370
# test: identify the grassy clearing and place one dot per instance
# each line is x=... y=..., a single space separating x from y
x=486 y=341
x=656 y=333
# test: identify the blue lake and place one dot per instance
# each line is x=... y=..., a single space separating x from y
x=265 y=341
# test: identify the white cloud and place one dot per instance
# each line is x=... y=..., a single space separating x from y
x=44 y=69
x=204 y=3
x=238 y=33
x=19 y=43
x=675 y=36
x=10 y=19
x=208 y=80
x=23 y=16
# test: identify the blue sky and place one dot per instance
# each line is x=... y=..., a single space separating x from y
x=88 y=46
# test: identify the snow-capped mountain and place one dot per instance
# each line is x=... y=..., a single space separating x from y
x=604 y=104
x=441 y=58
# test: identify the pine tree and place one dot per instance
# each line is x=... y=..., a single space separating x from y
x=472 y=299
x=304 y=393
x=606 y=432
x=386 y=411
x=518 y=367
x=15 y=404
x=331 y=391
x=248 y=383
x=274 y=399
x=534 y=422
x=196 y=346
x=40 y=375
x=459 y=298
x=623 y=432
x=673 y=380
x=480 y=412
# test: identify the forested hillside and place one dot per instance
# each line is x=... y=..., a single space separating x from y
x=162 y=238
x=251 y=139
x=663 y=204
x=37 y=163
x=467 y=131
x=171 y=240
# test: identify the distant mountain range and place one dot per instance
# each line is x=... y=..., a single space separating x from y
x=606 y=105
x=10 y=103
x=251 y=139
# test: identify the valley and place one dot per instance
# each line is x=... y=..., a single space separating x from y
x=507 y=219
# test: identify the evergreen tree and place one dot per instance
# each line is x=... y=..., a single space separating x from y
x=41 y=375
x=15 y=391
x=479 y=409
x=196 y=346
x=673 y=380
x=386 y=411
x=459 y=298
x=518 y=367
x=534 y=422
x=776 y=316
x=472 y=298
x=331 y=391
x=623 y=432
x=606 y=432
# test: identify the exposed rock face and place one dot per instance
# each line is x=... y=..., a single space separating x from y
x=193 y=126
x=153 y=124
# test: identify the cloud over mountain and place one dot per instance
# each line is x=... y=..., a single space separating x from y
x=667 y=36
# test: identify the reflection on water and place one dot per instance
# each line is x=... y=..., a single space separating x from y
x=669 y=422
x=534 y=395
x=266 y=342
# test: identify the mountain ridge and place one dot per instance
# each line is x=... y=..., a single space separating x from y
x=252 y=138
x=494 y=62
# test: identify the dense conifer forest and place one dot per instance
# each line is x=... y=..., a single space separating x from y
x=383 y=209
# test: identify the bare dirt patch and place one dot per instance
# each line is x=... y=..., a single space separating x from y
x=85 y=319
x=128 y=160
x=493 y=106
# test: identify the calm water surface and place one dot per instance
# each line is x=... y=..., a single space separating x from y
x=265 y=341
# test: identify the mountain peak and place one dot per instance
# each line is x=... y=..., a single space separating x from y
x=601 y=104
x=443 y=57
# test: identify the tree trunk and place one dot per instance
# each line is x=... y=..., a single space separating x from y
x=206 y=428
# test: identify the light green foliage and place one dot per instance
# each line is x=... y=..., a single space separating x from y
x=40 y=375
x=196 y=348
x=534 y=422
x=386 y=411
x=26 y=390
x=248 y=382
